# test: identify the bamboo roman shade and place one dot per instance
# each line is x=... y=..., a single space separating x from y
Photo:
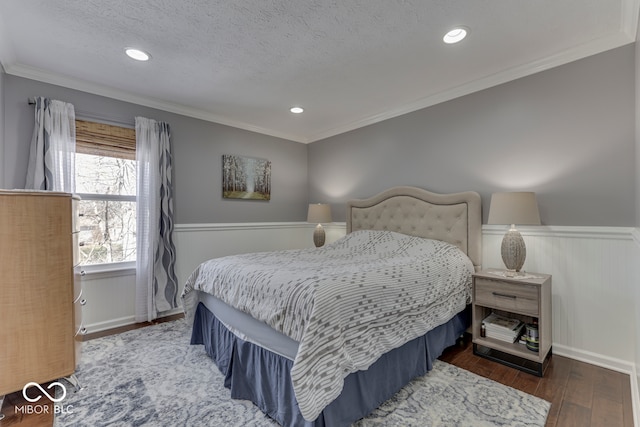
x=101 y=139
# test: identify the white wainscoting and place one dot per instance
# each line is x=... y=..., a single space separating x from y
x=593 y=288
x=635 y=383
x=596 y=299
x=595 y=291
x=110 y=300
x=196 y=243
x=111 y=295
x=593 y=268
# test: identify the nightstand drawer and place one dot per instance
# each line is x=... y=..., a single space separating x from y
x=520 y=298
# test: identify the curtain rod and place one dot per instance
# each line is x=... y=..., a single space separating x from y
x=95 y=118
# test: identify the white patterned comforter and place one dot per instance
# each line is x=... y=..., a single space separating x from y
x=347 y=303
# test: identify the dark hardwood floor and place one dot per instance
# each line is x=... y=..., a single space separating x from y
x=581 y=395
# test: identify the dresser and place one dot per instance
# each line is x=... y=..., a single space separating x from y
x=527 y=298
x=40 y=291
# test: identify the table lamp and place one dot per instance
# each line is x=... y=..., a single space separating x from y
x=514 y=208
x=319 y=213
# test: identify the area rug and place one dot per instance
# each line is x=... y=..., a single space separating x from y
x=153 y=377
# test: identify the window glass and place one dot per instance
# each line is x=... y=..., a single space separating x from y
x=107 y=231
x=106 y=183
x=105 y=175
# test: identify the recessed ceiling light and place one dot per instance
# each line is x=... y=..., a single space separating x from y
x=296 y=110
x=455 y=35
x=137 y=54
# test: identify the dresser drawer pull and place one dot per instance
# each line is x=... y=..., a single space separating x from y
x=83 y=301
x=81 y=331
x=498 y=294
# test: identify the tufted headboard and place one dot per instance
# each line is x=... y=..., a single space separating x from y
x=454 y=218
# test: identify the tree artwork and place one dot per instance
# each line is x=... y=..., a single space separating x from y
x=246 y=178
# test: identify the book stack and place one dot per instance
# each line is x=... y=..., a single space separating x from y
x=502 y=328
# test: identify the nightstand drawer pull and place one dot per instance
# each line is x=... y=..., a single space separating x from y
x=498 y=294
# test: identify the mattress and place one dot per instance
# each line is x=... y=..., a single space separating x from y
x=249 y=329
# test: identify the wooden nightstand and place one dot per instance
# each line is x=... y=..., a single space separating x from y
x=525 y=298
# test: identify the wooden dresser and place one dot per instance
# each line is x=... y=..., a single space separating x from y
x=39 y=286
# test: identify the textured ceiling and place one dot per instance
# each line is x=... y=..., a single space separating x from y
x=349 y=63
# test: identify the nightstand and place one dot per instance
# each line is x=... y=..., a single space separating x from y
x=526 y=297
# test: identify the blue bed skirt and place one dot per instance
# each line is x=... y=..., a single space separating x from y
x=256 y=374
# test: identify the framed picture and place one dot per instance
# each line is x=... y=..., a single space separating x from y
x=246 y=178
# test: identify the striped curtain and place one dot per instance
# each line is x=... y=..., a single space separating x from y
x=53 y=147
x=156 y=282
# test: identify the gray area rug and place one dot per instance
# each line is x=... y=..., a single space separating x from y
x=153 y=377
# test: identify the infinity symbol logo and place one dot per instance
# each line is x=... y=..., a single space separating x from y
x=43 y=391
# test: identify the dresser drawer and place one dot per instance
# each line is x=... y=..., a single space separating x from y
x=75 y=214
x=79 y=302
x=521 y=298
x=76 y=248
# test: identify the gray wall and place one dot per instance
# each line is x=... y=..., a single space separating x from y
x=565 y=133
x=2 y=77
x=637 y=118
x=197 y=149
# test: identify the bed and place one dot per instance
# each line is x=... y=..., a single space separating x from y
x=365 y=324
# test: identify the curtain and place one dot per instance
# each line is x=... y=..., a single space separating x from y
x=156 y=282
x=53 y=146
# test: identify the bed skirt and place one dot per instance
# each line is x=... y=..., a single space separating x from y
x=256 y=374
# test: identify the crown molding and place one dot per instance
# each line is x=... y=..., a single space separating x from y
x=44 y=76
x=629 y=19
x=582 y=51
x=626 y=35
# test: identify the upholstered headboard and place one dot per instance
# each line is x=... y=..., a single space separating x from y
x=454 y=218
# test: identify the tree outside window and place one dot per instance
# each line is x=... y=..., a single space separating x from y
x=106 y=183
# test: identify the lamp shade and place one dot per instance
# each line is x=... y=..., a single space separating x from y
x=514 y=208
x=319 y=213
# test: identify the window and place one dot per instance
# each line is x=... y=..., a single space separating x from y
x=106 y=182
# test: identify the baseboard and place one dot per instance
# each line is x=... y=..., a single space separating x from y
x=125 y=321
x=177 y=310
x=606 y=362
